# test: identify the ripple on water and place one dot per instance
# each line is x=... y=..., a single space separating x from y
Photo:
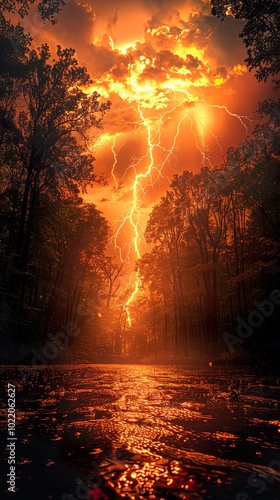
x=148 y=432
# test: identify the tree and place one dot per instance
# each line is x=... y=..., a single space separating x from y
x=46 y=8
x=157 y=305
x=74 y=239
x=58 y=112
x=205 y=214
x=46 y=115
x=111 y=273
x=261 y=32
x=165 y=227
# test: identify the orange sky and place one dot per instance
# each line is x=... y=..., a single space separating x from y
x=177 y=82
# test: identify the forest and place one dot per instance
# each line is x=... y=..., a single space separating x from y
x=213 y=238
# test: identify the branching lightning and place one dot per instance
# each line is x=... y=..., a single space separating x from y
x=175 y=101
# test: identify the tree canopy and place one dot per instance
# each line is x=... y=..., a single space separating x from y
x=51 y=243
x=260 y=33
x=216 y=243
x=47 y=9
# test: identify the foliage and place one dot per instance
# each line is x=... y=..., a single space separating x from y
x=215 y=237
x=261 y=32
x=46 y=8
x=51 y=243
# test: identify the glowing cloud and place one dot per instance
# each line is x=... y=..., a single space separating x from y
x=175 y=78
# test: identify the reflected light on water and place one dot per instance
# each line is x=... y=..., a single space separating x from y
x=160 y=433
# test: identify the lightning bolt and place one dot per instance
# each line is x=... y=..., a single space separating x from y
x=153 y=128
x=154 y=141
x=135 y=213
x=154 y=104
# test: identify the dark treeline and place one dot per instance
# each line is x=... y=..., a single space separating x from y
x=52 y=245
x=215 y=234
x=216 y=242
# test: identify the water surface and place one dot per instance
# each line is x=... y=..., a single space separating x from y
x=143 y=432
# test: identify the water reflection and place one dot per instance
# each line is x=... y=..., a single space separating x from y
x=144 y=432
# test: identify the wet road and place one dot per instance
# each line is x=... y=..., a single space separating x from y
x=143 y=432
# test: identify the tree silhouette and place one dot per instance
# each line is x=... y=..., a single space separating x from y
x=50 y=240
x=261 y=32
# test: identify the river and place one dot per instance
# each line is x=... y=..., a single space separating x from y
x=144 y=432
